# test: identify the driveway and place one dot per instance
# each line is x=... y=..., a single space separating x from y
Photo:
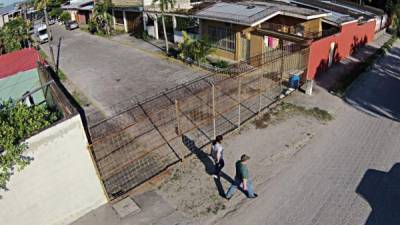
x=113 y=75
x=349 y=174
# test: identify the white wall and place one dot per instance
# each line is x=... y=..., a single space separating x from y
x=59 y=185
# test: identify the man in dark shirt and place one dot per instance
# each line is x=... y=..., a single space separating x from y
x=242 y=179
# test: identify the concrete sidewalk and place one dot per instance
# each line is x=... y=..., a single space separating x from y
x=153 y=210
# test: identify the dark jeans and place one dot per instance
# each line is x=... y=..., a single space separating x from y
x=236 y=184
x=218 y=166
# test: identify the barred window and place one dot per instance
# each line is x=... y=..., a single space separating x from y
x=119 y=18
x=222 y=37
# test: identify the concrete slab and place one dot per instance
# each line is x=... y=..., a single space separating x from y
x=126 y=207
x=153 y=210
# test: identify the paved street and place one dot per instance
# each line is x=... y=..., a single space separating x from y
x=348 y=174
x=110 y=73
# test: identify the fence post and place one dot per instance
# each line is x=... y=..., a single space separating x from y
x=282 y=66
x=213 y=107
x=178 y=122
x=259 y=93
x=239 y=100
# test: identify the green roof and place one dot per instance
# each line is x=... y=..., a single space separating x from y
x=16 y=86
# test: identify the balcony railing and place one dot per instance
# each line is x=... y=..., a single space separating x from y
x=298 y=30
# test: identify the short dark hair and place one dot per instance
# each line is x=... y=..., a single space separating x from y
x=219 y=138
x=244 y=157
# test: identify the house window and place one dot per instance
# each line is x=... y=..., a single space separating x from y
x=222 y=37
x=119 y=18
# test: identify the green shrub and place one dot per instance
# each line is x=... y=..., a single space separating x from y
x=220 y=64
x=92 y=27
x=18 y=122
x=65 y=16
x=197 y=50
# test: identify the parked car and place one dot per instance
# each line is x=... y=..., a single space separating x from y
x=52 y=21
x=70 y=25
x=40 y=31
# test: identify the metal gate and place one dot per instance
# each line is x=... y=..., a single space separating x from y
x=135 y=145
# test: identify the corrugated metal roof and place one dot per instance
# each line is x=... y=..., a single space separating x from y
x=7 y=9
x=341 y=12
x=16 y=86
x=88 y=7
x=248 y=13
x=18 y=61
x=77 y=4
x=237 y=12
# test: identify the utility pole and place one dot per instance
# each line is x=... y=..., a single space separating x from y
x=58 y=54
x=25 y=9
x=49 y=34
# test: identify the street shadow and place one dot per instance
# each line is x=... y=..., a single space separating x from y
x=357 y=44
x=382 y=191
x=326 y=79
x=328 y=76
x=207 y=162
x=378 y=93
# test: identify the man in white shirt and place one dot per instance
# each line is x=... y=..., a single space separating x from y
x=217 y=152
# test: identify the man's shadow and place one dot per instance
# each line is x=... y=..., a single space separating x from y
x=207 y=162
x=382 y=191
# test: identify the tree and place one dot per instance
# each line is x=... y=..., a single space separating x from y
x=65 y=16
x=164 y=6
x=13 y=35
x=194 y=49
x=55 y=13
x=200 y=49
x=54 y=8
x=18 y=122
x=101 y=17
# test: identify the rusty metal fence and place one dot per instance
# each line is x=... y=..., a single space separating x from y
x=143 y=140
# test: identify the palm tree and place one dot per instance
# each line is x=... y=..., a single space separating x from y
x=42 y=5
x=102 y=17
x=164 y=5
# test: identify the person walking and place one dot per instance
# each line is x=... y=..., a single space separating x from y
x=242 y=179
x=217 y=152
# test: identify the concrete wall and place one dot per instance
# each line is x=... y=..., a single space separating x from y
x=351 y=36
x=59 y=185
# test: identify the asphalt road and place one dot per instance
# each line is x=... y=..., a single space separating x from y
x=111 y=74
x=350 y=172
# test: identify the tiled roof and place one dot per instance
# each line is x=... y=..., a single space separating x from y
x=18 y=61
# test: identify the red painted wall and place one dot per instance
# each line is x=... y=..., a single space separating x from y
x=346 y=42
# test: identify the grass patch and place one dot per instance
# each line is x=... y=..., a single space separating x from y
x=341 y=86
x=286 y=110
x=315 y=112
x=77 y=98
x=42 y=54
x=61 y=75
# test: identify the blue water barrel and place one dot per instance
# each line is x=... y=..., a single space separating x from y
x=294 y=81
